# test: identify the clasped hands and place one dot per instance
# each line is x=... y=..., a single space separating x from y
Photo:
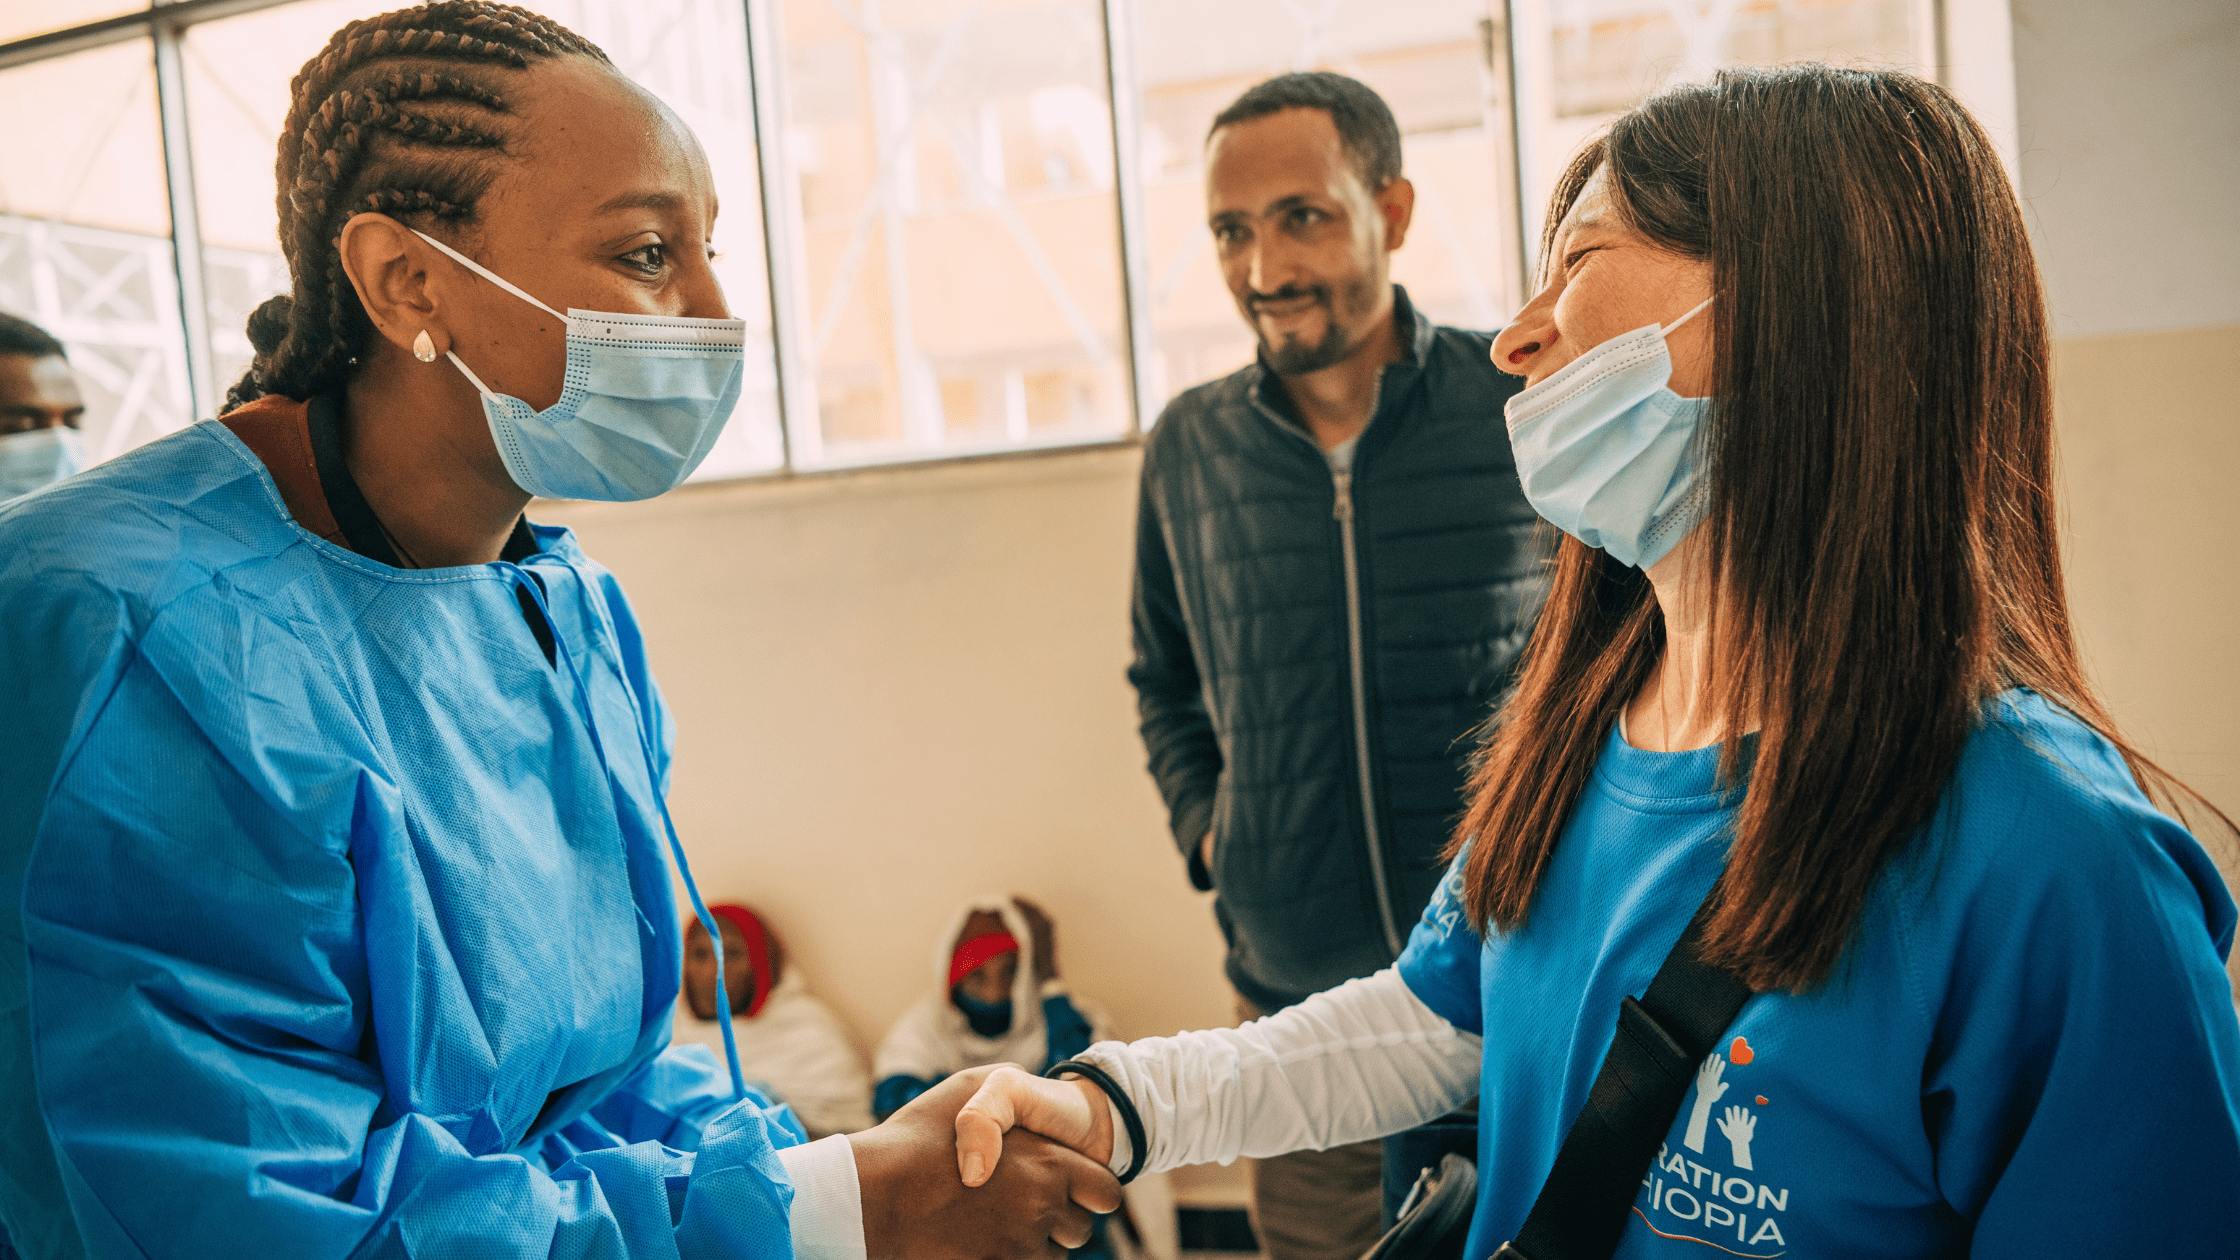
x=991 y=1164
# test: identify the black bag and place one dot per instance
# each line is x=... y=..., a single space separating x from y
x=1583 y=1205
x=1434 y=1219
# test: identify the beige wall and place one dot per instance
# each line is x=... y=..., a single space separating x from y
x=895 y=690
x=2150 y=457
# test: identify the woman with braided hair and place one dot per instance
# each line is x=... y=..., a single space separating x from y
x=334 y=917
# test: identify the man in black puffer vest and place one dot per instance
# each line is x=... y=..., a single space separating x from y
x=1336 y=570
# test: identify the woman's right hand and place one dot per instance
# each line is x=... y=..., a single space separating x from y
x=1071 y=1112
x=1037 y=1208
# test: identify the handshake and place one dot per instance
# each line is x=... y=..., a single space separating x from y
x=991 y=1164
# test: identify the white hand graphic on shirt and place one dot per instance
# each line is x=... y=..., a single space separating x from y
x=1738 y=1124
x=1708 y=1089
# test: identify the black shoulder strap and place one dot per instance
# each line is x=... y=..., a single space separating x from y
x=1660 y=1042
x=362 y=530
x=352 y=514
x=360 y=527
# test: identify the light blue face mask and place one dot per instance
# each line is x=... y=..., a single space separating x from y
x=39 y=457
x=1607 y=452
x=644 y=399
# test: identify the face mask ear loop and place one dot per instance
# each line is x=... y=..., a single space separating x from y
x=487 y=274
x=468 y=372
x=496 y=279
x=1690 y=315
x=676 y=847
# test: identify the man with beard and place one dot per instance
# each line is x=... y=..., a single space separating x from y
x=1336 y=569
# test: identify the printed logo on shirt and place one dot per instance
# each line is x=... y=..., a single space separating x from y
x=1444 y=912
x=1712 y=1191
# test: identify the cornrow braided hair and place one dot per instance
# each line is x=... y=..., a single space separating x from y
x=400 y=114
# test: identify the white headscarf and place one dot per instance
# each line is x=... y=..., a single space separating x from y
x=933 y=1038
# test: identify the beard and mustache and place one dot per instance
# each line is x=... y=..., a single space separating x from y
x=1297 y=357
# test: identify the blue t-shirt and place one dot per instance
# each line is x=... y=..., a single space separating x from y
x=2029 y=1050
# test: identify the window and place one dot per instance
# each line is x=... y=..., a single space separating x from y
x=236 y=72
x=953 y=227
x=19 y=20
x=952 y=189
x=1583 y=62
x=85 y=236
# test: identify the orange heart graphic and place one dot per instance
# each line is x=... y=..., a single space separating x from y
x=1740 y=1053
x=1761 y=1100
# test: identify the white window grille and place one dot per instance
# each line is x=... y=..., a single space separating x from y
x=957 y=226
x=110 y=297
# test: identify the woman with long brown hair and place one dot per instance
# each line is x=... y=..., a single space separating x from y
x=1806 y=689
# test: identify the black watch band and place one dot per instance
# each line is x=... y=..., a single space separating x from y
x=1139 y=1149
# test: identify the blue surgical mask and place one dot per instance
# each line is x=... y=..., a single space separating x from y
x=644 y=399
x=39 y=457
x=988 y=1019
x=1607 y=452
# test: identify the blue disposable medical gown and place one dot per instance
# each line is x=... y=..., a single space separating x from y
x=345 y=927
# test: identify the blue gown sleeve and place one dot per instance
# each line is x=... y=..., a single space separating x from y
x=1440 y=964
x=201 y=1050
x=1066 y=1033
x=2088 y=1023
x=673 y=1100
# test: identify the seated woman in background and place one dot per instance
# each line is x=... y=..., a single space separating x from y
x=1806 y=664
x=787 y=1040
x=996 y=998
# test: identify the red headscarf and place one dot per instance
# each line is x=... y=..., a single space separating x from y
x=758 y=950
x=971 y=954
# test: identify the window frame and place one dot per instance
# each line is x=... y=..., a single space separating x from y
x=1971 y=50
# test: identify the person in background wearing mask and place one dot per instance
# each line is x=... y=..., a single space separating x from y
x=787 y=1040
x=1336 y=569
x=40 y=408
x=996 y=998
x=335 y=897
x=1805 y=694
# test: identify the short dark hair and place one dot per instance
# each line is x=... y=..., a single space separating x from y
x=21 y=336
x=1365 y=123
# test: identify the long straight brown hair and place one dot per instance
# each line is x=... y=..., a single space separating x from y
x=1880 y=525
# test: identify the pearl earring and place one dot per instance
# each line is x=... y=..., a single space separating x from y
x=423 y=349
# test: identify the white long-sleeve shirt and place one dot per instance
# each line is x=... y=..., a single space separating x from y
x=1364 y=1060
x=1360 y=1061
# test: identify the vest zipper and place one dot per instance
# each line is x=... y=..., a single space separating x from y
x=1342 y=510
